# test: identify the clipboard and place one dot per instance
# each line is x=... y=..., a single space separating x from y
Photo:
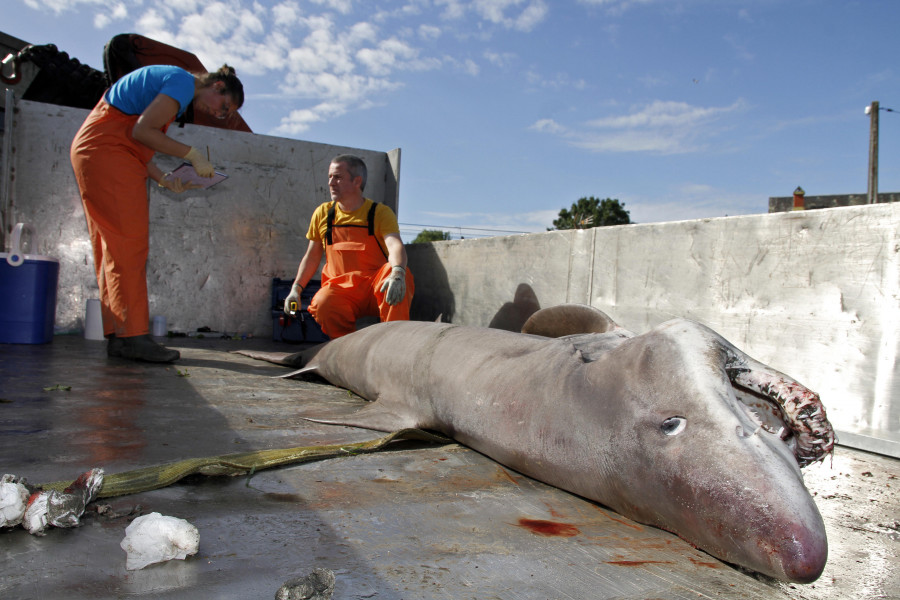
x=186 y=173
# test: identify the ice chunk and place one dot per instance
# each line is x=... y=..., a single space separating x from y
x=156 y=538
x=13 y=499
x=35 y=519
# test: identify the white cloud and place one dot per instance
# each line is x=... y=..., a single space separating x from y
x=453 y=9
x=337 y=68
x=660 y=127
x=345 y=7
x=531 y=17
x=660 y=114
x=230 y=32
x=299 y=121
x=328 y=56
x=345 y=90
x=618 y=6
x=271 y=55
x=511 y=14
x=362 y=33
x=548 y=126
x=114 y=12
x=500 y=59
x=286 y=14
x=467 y=66
x=559 y=81
x=393 y=54
x=152 y=24
x=495 y=12
x=429 y=32
x=471 y=67
x=60 y=6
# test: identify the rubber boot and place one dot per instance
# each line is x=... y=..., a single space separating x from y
x=113 y=346
x=142 y=347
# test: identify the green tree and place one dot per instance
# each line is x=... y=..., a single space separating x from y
x=592 y=212
x=431 y=235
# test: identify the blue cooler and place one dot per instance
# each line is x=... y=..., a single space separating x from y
x=27 y=293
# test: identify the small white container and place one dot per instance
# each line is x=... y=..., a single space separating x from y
x=93 y=320
x=160 y=329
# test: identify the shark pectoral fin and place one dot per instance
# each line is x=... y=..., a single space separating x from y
x=372 y=416
x=288 y=359
x=299 y=373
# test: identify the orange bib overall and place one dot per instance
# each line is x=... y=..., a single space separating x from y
x=111 y=170
x=355 y=268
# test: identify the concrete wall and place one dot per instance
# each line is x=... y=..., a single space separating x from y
x=815 y=294
x=213 y=253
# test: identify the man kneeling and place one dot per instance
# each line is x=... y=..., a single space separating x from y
x=365 y=271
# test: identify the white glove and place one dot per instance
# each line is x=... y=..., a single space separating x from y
x=203 y=167
x=395 y=285
x=294 y=296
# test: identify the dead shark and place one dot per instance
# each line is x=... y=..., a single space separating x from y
x=674 y=428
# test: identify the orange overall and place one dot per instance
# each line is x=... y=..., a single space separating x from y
x=111 y=170
x=355 y=268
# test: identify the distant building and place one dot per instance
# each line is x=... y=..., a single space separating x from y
x=786 y=203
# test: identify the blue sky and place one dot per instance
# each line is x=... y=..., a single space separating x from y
x=507 y=111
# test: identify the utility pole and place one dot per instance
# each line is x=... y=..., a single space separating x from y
x=872 y=111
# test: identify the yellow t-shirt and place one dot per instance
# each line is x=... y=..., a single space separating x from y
x=385 y=220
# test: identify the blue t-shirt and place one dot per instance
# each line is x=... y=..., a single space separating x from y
x=135 y=91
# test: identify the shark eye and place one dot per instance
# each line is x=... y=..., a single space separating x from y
x=673 y=425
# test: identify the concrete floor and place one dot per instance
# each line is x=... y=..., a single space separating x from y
x=416 y=521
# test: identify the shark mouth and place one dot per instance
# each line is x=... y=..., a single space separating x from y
x=782 y=406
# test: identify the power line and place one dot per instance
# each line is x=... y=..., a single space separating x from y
x=410 y=234
x=457 y=227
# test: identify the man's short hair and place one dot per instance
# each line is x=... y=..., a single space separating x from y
x=355 y=165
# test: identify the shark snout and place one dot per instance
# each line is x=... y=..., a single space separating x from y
x=801 y=555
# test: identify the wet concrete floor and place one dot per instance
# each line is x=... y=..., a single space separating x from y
x=415 y=521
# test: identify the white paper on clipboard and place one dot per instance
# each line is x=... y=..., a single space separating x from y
x=187 y=174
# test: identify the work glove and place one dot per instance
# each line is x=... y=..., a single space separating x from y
x=174 y=184
x=203 y=167
x=294 y=296
x=394 y=287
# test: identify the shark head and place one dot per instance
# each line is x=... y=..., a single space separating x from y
x=695 y=459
